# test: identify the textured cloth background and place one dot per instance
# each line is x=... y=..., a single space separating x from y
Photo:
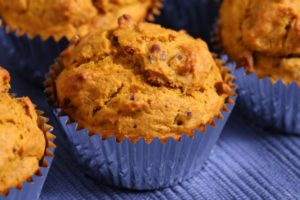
x=246 y=163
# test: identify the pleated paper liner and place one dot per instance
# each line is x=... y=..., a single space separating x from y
x=31 y=54
x=269 y=104
x=32 y=187
x=140 y=165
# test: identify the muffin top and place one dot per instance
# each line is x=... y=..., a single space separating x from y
x=68 y=18
x=263 y=36
x=22 y=142
x=140 y=80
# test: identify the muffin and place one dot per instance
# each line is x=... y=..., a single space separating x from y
x=263 y=38
x=143 y=90
x=68 y=18
x=45 y=28
x=23 y=140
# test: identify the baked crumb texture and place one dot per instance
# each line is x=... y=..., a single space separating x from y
x=140 y=80
x=263 y=36
x=22 y=138
x=67 y=18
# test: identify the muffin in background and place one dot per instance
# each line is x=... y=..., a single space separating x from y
x=146 y=87
x=23 y=142
x=69 y=18
x=39 y=30
x=263 y=37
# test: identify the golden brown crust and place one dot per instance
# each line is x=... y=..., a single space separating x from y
x=67 y=18
x=263 y=36
x=22 y=141
x=140 y=80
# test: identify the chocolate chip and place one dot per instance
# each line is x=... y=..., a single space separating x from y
x=129 y=50
x=179 y=123
x=132 y=97
x=66 y=102
x=155 y=48
x=96 y=109
x=179 y=57
x=124 y=19
x=189 y=115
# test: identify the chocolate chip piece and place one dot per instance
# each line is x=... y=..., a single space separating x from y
x=124 y=19
x=132 y=97
x=179 y=57
x=179 y=123
x=96 y=109
x=129 y=50
x=66 y=102
x=155 y=48
x=189 y=115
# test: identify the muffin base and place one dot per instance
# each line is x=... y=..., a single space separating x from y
x=141 y=166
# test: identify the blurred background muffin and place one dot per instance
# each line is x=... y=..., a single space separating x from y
x=135 y=83
x=67 y=18
x=263 y=37
x=42 y=29
x=22 y=140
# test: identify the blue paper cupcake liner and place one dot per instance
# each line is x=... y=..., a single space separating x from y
x=139 y=166
x=270 y=105
x=31 y=57
x=32 y=190
x=142 y=166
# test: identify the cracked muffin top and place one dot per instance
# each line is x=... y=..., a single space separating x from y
x=140 y=80
x=263 y=36
x=67 y=18
x=22 y=142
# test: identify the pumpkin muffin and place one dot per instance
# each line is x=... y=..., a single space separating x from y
x=140 y=80
x=22 y=142
x=263 y=36
x=67 y=18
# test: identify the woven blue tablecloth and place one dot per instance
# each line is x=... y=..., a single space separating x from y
x=246 y=163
